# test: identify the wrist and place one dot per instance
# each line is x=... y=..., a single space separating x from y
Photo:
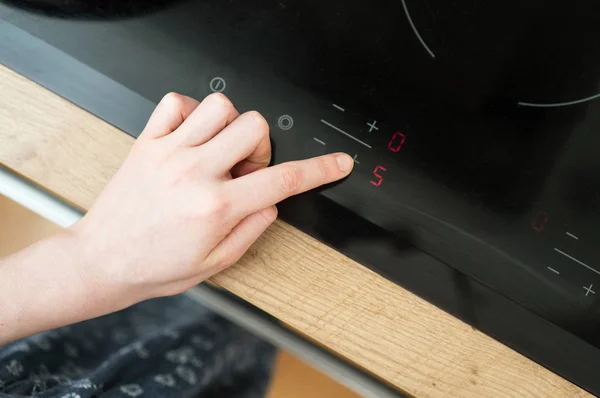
x=47 y=276
x=74 y=284
x=102 y=269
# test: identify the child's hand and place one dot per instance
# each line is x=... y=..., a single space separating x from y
x=193 y=195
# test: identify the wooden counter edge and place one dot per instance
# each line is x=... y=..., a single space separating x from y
x=381 y=327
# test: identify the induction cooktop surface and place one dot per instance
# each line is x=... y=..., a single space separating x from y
x=475 y=128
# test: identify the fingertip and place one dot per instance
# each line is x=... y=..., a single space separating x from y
x=212 y=115
x=218 y=97
x=345 y=163
x=270 y=214
x=168 y=115
x=257 y=117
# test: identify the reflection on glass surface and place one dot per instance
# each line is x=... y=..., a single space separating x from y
x=91 y=9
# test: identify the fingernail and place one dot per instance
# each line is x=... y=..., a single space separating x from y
x=345 y=163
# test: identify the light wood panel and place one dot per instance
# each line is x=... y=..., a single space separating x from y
x=293 y=378
x=337 y=302
x=20 y=227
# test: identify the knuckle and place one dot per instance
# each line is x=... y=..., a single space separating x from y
x=326 y=167
x=291 y=179
x=215 y=205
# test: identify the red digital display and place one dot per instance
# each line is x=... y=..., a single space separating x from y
x=396 y=142
x=539 y=221
x=378 y=178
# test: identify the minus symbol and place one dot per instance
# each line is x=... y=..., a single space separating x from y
x=319 y=141
x=572 y=236
x=553 y=270
x=338 y=107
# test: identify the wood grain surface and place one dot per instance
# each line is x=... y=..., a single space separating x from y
x=292 y=378
x=385 y=329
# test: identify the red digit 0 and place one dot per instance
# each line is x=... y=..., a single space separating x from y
x=379 y=177
x=396 y=142
x=539 y=221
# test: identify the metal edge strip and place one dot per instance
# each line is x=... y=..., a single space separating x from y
x=98 y=94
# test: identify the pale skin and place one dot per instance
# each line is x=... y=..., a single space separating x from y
x=193 y=195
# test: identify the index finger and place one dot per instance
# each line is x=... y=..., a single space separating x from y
x=264 y=188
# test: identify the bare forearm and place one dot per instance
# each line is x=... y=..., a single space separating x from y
x=46 y=286
x=183 y=207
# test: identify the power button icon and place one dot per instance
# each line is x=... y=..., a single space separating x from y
x=217 y=84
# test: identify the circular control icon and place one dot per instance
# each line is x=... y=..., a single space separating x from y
x=217 y=84
x=285 y=122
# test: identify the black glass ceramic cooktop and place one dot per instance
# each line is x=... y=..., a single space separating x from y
x=475 y=127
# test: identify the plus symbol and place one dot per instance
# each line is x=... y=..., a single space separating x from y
x=589 y=290
x=372 y=126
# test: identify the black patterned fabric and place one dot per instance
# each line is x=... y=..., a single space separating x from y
x=167 y=347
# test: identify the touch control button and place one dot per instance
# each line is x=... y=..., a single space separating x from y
x=217 y=84
x=285 y=122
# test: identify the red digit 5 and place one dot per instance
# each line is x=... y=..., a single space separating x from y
x=379 y=178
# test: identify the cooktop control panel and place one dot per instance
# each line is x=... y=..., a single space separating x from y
x=474 y=127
